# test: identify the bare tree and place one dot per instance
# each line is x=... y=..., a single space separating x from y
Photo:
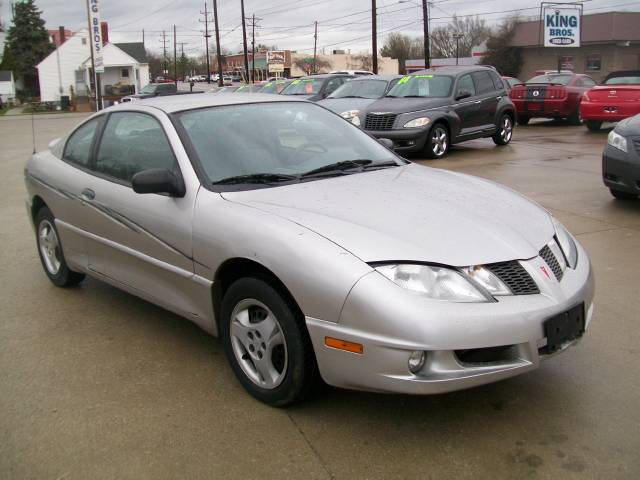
x=308 y=65
x=363 y=62
x=403 y=48
x=474 y=31
x=507 y=60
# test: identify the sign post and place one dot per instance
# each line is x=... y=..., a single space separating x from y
x=95 y=37
x=561 y=26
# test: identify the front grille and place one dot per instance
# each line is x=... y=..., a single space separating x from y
x=636 y=144
x=548 y=256
x=515 y=277
x=383 y=121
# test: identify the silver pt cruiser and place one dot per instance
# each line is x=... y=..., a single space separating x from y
x=308 y=247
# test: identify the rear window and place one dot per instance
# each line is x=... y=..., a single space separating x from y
x=630 y=80
x=558 y=79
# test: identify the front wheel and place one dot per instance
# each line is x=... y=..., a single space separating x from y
x=623 y=195
x=593 y=125
x=437 y=144
x=266 y=342
x=504 y=130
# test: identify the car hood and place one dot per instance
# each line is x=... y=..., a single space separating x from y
x=340 y=105
x=405 y=105
x=412 y=213
x=629 y=126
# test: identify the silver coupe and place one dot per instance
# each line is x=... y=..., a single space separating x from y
x=309 y=247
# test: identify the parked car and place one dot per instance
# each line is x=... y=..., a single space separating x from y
x=553 y=95
x=510 y=82
x=227 y=80
x=616 y=99
x=316 y=87
x=236 y=77
x=352 y=72
x=153 y=90
x=352 y=97
x=429 y=110
x=275 y=86
x=250 y=88
x=308 y=247
x=621 y=159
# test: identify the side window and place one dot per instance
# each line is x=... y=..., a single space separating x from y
x=483 y=82
x=78 y=147
x=465 y=84
x=588 y=82
x=333 y=84
x=133 y=142
x=497 y=81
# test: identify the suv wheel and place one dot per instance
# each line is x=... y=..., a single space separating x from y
x=437 y=144
x=504 y=130
x=266 y=342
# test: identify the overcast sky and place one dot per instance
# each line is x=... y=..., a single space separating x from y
x=342 y=24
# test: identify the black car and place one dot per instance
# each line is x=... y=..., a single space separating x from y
x=432 y=109
x=316 y=87
x=621 y=159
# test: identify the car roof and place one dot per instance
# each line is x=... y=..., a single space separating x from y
x=388 y=78
x=326 y=75
x=453 y=70
x=190 y=101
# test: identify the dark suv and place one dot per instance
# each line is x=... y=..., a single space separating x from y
x=432 y=109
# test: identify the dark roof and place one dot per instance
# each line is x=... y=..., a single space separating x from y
x=452 y=70
x=326 y=75
x=135 y=50
x=5 y=76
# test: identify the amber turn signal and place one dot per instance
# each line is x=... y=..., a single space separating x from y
x=344 y=345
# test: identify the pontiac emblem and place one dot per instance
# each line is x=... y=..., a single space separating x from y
x=545 y=271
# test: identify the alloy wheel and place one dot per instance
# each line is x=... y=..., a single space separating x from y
x=506 y=130
x=49 y=247
x=439 y=141
x=258 y=343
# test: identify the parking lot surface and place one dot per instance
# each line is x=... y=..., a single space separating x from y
x=96 y=383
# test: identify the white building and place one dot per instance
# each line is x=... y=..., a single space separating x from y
x=126 y=69
x=7 y=86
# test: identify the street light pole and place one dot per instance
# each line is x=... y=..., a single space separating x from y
x=457 y=36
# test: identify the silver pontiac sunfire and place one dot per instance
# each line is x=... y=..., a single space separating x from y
x=308 y=247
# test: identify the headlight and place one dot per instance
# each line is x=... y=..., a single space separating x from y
x=487 y=280
x=567 y=244
x=352 y=115
x=438 y=283
x=417 y=122
x=617 y=141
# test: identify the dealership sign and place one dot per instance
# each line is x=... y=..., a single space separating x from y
x=561 y=26
x=275 y=61
x=95 y=34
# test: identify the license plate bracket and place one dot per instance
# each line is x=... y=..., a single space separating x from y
x=564 y=327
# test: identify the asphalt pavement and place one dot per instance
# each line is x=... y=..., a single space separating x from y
x=96 y=383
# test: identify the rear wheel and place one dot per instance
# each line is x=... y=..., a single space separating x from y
x=593 y=125
x=437 y=144
x=623 y=195
x=50 y=251
x=523 y=119
x=267 y=343
x=575 y=118
x=504 y=130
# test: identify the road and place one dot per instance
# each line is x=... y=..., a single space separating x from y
x=95 y=383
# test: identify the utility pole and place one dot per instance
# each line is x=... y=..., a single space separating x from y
x=425 y=21
x=164 y=41
x=374 y=37
x=244 y=41
x=182 y=44
x=218 y=54
x=206 y=39
x=175 y=58
x=143 y=37
x=253 y=48
x=315 y=47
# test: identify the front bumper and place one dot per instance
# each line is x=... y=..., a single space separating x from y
x=391 y=322
x=608 y=112
x=406 y=140
x=620 y=170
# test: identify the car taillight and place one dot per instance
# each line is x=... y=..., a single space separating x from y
x=517 y=92
x=556 y=92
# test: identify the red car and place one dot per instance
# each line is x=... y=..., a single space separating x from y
x=616 y=99
x=552 y=95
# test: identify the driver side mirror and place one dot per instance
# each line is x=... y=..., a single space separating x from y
x=462 y=94
x=158 y=180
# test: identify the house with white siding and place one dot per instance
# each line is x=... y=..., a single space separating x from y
x=69 y=67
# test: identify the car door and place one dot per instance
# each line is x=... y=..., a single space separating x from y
x=144 y=241
x=466 y=108
x=488 y=98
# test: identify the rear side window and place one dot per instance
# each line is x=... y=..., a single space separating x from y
x=78 y=147
x=333 y=84
x=133 y=142
x=465 y=84
x=483 y=82
x=497 y=81
x=588 y=82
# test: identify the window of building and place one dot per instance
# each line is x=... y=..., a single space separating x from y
x=594 y=63
x=84 y=41
x=124 y=73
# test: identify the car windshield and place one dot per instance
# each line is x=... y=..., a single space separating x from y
x=279 y=138
x=304 y=86
x=369 y=88
x=422 y=86
x=273 y=87
x=630 y=80
x=149 y=88
x=558 y=79
x=250 y=88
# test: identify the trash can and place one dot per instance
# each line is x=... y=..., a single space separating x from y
x=65 y=102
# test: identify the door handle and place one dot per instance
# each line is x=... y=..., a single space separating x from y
x=87 y=194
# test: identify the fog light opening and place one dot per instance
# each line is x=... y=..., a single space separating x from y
x=417 y=360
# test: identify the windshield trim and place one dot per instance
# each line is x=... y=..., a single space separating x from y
x=205 y=182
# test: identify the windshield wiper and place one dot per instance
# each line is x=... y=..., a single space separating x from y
x=337 y=167
x=256 y=178
x=413 y=96
x=380 y=165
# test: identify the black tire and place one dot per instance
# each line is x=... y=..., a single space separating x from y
x=437 y=147
x=575 y=118
x=299 y=371
x=593 y=125
x=504 y=130
x=523 y=120
x=623 y=195
x=62 y=276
